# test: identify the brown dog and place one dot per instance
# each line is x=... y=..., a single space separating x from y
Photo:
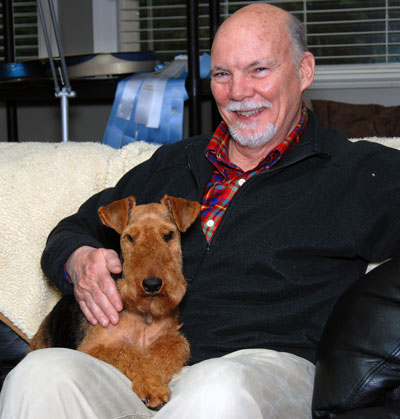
x=146 y=345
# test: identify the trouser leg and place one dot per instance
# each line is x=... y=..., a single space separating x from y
x=61 y=383
x=255 y=383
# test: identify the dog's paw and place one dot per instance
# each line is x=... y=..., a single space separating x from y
x=154 y=397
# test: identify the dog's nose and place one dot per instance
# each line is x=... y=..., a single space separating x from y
x=152 y=284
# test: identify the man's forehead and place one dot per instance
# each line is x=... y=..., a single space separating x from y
x=247 y=36
x=247 y=48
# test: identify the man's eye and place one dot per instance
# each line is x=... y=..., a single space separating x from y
x=261 y=69
x=220 y=75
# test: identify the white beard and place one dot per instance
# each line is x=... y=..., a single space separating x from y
x=255 y=139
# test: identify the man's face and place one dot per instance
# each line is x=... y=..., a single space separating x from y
x=255 y=82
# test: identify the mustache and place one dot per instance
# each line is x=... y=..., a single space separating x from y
x=247 y=105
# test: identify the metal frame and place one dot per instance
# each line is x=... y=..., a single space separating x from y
x=65 y=92
x=192 y=14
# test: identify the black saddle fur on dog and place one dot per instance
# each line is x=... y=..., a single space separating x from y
x=63 y=325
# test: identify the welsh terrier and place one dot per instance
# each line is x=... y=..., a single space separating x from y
x=146 y=345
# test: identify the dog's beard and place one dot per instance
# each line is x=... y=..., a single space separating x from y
x=254 y=139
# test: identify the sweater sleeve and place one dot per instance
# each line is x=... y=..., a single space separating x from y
x=84 y=228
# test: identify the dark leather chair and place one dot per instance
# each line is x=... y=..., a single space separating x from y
x=12 y=350
x=358 y=364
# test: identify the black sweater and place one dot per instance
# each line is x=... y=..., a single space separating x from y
x=291 y=241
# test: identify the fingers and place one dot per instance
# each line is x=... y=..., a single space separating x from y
x=114 y=266
x=94 y=288
x=96 y=303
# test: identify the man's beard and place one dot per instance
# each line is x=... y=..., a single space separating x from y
x=251 y=139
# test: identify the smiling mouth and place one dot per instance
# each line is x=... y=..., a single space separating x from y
x=249 y=113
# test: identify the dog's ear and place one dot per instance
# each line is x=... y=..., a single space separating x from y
x=116 y=214
x=183 y=211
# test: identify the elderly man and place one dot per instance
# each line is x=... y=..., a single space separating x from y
x=289 y=220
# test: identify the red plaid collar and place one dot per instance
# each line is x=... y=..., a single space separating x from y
x=217 y=149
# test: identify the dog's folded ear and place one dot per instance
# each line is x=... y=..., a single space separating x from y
x=183 y=211
x=116 y=214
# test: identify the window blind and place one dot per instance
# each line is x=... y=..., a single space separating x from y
x=338 y=32
x=25 y=30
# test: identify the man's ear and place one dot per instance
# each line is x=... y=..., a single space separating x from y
x=183 y=211
x=116 y=214
x=306 y=70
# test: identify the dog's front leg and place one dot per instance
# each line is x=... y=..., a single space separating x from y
x=136 y=364
x=167 y=355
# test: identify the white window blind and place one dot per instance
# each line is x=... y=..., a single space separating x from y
x=25 y=30
x=128 y=25
x=339 y=31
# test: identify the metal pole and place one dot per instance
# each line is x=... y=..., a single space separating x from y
x=59 y=45
x=64 y=116
x=66 y=91
x=214 y=18
x=214 y=24
x=192 y=14
x=9 y=57
x=48 y=46
x=8 y=28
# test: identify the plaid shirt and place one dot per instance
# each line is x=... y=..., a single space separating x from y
x=227 y=178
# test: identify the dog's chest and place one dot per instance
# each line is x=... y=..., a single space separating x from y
x=137 y=331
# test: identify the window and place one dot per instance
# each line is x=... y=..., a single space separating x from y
x=25 y=30
x=339 y=31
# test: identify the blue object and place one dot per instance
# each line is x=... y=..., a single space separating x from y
x=149 y=106
x=34 y=68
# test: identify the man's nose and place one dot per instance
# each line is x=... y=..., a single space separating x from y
x=241 y=88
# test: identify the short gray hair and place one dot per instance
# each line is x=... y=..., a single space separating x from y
x=298 y=35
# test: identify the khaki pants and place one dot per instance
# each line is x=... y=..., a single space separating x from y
x=61 y=383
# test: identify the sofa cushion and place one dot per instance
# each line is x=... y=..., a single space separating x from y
x=358 y=363
x=357 y=120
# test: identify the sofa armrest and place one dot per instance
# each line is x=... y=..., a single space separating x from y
x=358 y=364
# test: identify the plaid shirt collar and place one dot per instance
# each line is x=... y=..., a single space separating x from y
x=217 y=149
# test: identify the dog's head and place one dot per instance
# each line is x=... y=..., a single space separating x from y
x=150 y=245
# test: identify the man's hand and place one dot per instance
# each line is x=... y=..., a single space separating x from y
x=95 y=289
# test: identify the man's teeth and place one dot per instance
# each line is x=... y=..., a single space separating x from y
x=248 y=113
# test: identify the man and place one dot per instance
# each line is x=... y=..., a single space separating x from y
x=291 y=215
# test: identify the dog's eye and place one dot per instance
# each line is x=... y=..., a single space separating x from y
x=129 y=238
x=168 y=237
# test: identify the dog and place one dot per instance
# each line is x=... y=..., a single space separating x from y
x=146 y=345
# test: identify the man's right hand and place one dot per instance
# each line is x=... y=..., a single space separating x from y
x=95 y=290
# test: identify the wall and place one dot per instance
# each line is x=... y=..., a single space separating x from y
x=43 y=123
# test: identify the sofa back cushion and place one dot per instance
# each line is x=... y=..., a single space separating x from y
x=41 y=183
